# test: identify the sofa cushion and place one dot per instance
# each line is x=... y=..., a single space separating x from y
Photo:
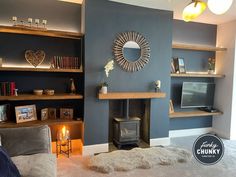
x=37 y=165
x=7 y=167
x=26 y=140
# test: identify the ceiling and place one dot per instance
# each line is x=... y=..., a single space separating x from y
x=178 y=5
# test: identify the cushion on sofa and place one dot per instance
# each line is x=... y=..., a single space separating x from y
x=26 y=140
x=38 y=165
x=7 y=167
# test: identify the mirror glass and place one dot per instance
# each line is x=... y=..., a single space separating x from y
x=131 y=51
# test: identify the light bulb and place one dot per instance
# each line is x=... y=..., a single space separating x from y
x=219 y=7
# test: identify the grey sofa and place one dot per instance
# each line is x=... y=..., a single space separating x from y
x=30 y=150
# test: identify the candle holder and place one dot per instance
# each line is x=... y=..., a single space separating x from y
x=63 y=142
x=44 y=22
x=157 y=86
x=14 y=19
x=37 y=22
x=30 y=21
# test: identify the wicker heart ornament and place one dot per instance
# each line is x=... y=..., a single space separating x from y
x=35 y=58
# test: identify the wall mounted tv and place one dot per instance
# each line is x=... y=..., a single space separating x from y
x=197 y=94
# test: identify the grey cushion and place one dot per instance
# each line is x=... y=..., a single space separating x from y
x=26 y=140
x=38 y=165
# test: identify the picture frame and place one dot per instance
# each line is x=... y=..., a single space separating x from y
x=181 y=64
x=66 y=113
x=25 y=113
x=52 y=113
x=44 y=114
x=171 y=107
x=4 y=112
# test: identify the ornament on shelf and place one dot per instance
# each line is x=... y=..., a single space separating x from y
x=35 y=58
x=72 y=86
x=211 y=65
x=157 y=86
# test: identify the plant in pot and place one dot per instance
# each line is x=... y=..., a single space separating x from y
x=107 y=68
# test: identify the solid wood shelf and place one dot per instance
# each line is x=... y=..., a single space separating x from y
x=130 y=95
x=41 y=70
x=39 y=122
x=197 y=47
x=24 y=97
x=193 y=114
x=197 y=75
x=48 y=33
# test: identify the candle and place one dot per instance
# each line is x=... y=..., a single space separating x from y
x=158 y=84
x=30 y=20
x=14 y=18
x=44 y=22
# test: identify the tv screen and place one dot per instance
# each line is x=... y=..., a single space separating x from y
x=197 y=94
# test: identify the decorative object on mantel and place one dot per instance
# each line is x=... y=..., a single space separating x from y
x=146 y=158
x=179 y=65
x=49 y=92
x=35 y=58
x=38 y=92
x=211 y=65
x=131 y=44
x=44 y=114
x=66 y=113
x=158 y=86
x=108 y=67
x=0 y=62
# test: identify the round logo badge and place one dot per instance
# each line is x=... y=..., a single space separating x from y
x=208 y=149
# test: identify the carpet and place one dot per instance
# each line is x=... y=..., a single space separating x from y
x=126 y=160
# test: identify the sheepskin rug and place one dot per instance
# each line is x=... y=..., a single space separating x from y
x=125 y=160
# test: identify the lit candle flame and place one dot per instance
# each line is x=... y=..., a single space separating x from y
x=64 y=131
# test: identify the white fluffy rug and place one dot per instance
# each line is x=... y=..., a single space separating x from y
x=123 y=160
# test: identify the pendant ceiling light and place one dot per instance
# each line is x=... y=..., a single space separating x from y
x=219 y=6
x=193 y=10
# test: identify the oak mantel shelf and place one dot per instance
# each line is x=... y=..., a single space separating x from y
x=48 y=33
x=197 y=47
x=198 y=75
x=130 y=95
x=41 y=97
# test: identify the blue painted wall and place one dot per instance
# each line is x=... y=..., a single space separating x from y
x=104 y=20
x=195 y=61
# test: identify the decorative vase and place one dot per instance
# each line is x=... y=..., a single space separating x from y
x=103 y=89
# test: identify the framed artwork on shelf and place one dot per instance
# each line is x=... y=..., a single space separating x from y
x=44 y=114
x=25 y=113
x=179 y=65
x=52 y=113
x=66 y=113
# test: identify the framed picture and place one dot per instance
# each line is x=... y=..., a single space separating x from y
x=66 y=113
x=171 y=107
x=25 y=113
x=44 y=114
x=52 y=113
x=4 y=110
x=181 y=65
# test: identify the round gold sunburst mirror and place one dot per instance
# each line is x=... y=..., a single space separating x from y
x=131 y=51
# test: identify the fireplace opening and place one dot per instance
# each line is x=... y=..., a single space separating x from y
x=129 y=123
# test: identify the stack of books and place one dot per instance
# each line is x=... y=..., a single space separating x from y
x=59 y=62
x=7 y=88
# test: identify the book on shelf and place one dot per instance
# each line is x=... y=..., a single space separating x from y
x=59 y=62
x=7 y=88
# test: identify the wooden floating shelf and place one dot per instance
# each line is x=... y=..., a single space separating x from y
x=39 y=122
x=24 y=97
x=193 y=114
x=197 y=75
x=48 y=33
x=197 y=47
x=41 y=70
x=130 y=95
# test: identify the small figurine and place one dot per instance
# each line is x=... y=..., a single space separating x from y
x=15 y=92
x=72 y=86
x=157 y=86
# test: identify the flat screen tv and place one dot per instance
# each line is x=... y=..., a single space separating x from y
x=197 y=94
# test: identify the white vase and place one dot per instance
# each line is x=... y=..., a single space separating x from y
x=103 y=89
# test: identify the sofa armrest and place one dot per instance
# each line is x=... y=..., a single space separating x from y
x=26 y=140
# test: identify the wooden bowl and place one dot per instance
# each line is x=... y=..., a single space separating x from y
x=49 y=92
x=38 y=92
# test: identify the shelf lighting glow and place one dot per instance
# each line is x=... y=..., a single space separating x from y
x=193 y=10
x=219 y=7
x=73 y=1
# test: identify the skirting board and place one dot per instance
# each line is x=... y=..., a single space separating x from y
x=93 y=149
x=189 y=132
x=160 y=141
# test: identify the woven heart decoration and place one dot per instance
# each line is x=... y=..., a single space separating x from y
x=35 y=58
